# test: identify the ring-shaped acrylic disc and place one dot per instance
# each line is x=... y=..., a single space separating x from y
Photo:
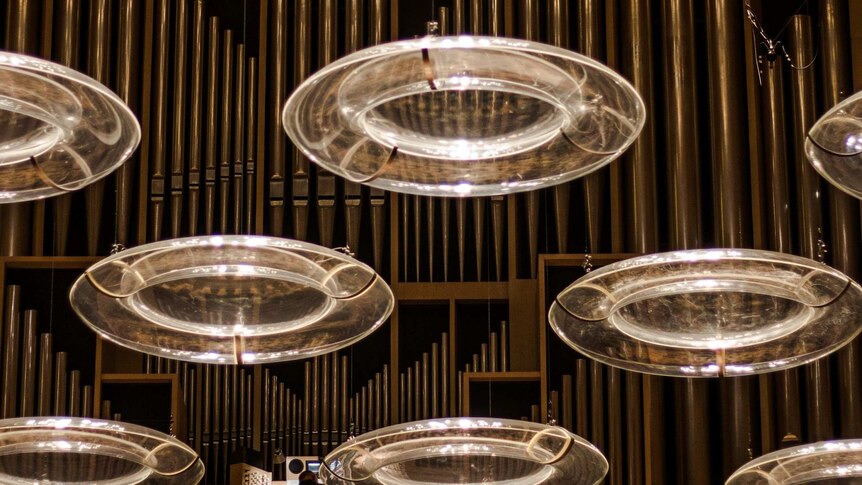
x=54 y=450
x=824 y=463
x=232 y=299
x=834 y=145
x=466 y=451
x=461 y=116
x=59 y=129
x=709 y=313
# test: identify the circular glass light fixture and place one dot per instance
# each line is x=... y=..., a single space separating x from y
x=709 y=313
x=232 y=299
x=834 y=145
x=466 y=450
x=81 y=450
x=462 y=116
x=825 y=463
x=59 y=129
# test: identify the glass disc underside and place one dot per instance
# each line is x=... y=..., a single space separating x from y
x=80 y=450
x=460 y=116
x=824 y=463
x=59 y=130
x=466 y=451
x=709 y=313
x=232 y=299
x=834 y=145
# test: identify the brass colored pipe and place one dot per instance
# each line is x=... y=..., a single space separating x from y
x=206 y=386
x=409 y=416
x=567 y=404
x=786 y=382
x=582 y=411
x=277 y=67
x=803 y=94
x=378 y=400
x=435 y=383
x=227 y=92
x=87 y=401
x=178 y=139
x=324 y=401
x=10 y=353
x=60 y=384
x=384 y=406
x=196 y=70
x=67 y=22
x=212 y=127
x=616 y=457
x=75 y=393
x=479 y=230
x=444 y=375
x=239 y=131
x=251 y=142
x=301 y=70
x=159 y=120
x=315 y=406
x=327 y=52
x=345 y=421
x=46 y=364
x=417 y=390
x=402 y=397
x=597 y=405
x=425 y=394
x=306 y=411
x=335 y=401
x=215 y=444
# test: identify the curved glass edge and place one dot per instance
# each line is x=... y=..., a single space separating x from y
x=465 y=41
x=120 y=275
x=134 y=434
x=847 y=105
x=400 y=432
x=36 y=65
x=248 y=241
x=711 y=369
x=757 y=471
x=605 y=298
x=149 y=337
x=841 y=171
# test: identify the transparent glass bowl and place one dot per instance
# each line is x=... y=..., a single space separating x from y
x=82 y=450
x=709 y=313
x=232 y=299
x=465 y=451
x=834 y=145
x=824 y=463
x=462 y=116
x=59 y=129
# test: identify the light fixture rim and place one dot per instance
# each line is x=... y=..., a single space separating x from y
x=38 y=68
x=799 y=452
x=562 y=318
x=245 y=345
x=503 y=44
x=575 y=444
x=142 y=441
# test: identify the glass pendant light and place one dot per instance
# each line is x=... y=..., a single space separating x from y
x=708 y=313
x=463 y=116
x=825 y=463
x=59 y=130
x=81 y=450
x=834 y=145
x=232 y=299
x=466 y=451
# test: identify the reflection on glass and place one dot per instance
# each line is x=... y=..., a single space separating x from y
x=708 y=313
x=460 y=116
x=232 y=299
